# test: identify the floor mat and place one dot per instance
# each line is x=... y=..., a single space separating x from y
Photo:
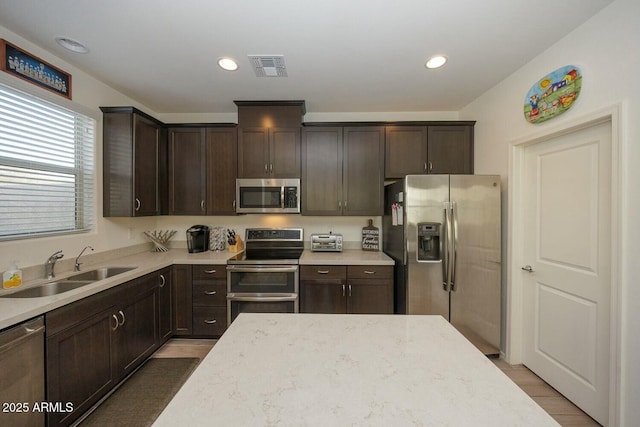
x=141 y=399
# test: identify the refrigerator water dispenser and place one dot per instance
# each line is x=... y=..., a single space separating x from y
x=429 y=241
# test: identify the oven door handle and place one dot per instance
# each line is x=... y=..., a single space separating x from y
x=289 y=297
x=234 y=268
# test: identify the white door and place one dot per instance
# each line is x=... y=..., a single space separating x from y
x=567 y=248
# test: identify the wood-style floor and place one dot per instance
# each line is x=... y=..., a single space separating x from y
x=562 y=410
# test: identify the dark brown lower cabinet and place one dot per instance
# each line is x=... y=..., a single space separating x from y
x=346 y=289
x=165 y=321
x=200 y=300
x=209 y=300
x=94 y=343
x=181 y=285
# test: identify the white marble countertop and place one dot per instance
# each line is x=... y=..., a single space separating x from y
x=348 y=370
x=16 y=310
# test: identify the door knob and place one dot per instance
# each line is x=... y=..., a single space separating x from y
x=527 y=268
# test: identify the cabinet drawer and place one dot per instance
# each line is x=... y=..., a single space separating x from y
x=209 y=320
x=208 y=271
x=323 y=272
x=214 y=294
x=370 y=271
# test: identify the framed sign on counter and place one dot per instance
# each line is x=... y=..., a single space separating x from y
x=26 y=66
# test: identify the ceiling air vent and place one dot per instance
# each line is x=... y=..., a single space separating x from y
x=268 y=65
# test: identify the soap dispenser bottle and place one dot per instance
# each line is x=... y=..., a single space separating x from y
x=12 y=277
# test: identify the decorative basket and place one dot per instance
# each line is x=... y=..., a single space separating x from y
x=160 y=239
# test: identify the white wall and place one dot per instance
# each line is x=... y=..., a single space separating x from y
x=606 y=50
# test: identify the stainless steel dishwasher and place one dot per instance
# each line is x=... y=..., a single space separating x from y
x=22 y=374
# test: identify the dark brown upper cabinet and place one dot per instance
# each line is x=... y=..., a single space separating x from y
x=433 y=149
x=134 y=163
x=202 y=170
x=450 y=149
x=321 y=171
x=222 y=170
x=269 y=138
x=343 y=170
x=187 y=171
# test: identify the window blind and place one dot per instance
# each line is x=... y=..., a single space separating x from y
x=46 y=167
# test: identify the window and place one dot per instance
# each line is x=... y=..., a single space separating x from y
x=46 y=167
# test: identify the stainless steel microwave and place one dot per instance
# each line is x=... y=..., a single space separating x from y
x=268 y=195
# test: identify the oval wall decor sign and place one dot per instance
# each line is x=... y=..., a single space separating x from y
x=553 y=94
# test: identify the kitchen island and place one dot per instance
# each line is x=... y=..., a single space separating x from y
x=381 y=370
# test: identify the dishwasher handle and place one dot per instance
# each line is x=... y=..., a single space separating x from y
x=14 y=337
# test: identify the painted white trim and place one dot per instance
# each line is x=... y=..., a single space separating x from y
x=514 y=324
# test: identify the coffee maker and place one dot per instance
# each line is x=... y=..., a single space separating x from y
x=198 y=238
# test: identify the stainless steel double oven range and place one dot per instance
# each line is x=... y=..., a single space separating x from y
x=264 y=278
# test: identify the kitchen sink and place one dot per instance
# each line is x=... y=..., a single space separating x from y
x=49 y=289
x=100 y=273
x=70 y=283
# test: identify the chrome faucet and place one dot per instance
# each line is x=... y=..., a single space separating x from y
x=76 y=267
x=50 y=264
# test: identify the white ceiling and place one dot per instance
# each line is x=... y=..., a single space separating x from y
x=341 y=55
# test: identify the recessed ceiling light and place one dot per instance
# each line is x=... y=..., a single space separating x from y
x=228 y=64
x=72 y=45
x=436 y=61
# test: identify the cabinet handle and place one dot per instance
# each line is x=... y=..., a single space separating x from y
x=210 y=322
x=271 y=167
x=430 y=166
x=123 y=319
x=137 y=208
x=343 y=291
x=349 y=290
x=116 y=319
x=323 y=271
x=425 y=166
x=210 y=271
x=369 y=272
x=210 y=292
x=234 y=204
x=266 y=168
x=202 y=205
x=339 y=204
x=163 y=281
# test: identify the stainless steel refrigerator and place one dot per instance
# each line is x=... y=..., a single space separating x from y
x=443 y=231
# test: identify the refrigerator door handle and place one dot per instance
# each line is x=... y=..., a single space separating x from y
x=444 y=250
x=454 y=249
